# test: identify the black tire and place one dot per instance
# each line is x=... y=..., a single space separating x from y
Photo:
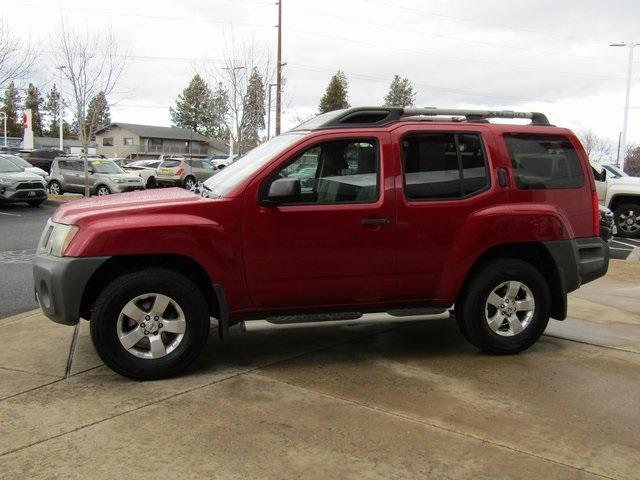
x=56 y=185
x=151 y=182
x=125 y=288
x=187 y=179
x=470 y=306
x=35 y=203
x=624 y=209
x=103 y=188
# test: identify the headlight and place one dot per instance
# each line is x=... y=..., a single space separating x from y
x=5 y=181
x=56 y=238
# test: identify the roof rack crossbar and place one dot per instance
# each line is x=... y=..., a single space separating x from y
x=535 y=117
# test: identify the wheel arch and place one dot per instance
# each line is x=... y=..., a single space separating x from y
x=622 y=198
x=118 y=265
x=536 y=255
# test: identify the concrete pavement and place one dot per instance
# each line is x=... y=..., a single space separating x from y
x=401 y=401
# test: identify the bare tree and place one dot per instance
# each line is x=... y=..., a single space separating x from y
x=597 y=148
x=234 y=68
x=91 y=63
x=16 y=56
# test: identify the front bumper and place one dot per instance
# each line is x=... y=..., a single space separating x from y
x=60 y=282
x=23 y=195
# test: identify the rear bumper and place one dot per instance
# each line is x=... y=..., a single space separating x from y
x=579 y=261
x=60 y=282
x=169 y=181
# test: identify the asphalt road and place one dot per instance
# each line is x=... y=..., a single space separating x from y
x=20 y=229
x=622 y=247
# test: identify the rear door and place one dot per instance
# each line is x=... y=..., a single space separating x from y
x=334 y=244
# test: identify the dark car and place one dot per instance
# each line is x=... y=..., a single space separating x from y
x=43 y=158
x=607 y=224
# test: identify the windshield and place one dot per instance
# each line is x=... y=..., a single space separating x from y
x=615 y=170
x=7 y=166
x=20 y=162
x=221 y=183
x=105 y=166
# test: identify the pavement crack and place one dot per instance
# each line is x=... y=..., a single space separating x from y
x=29 y=372
x=72 y=350
x=437 y=426
x=608 y=347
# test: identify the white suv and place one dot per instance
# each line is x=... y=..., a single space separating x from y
x=621 y=193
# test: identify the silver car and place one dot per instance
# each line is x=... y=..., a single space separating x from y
x=105 y=177
x=17 y=185
x=26 y=166
x=183 y=172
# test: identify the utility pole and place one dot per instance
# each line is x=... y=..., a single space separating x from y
x=4 y=116
x=279 y=71
x=623 y=142
x=269 y=112
x=60 y=109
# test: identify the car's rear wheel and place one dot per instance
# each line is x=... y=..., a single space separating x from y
x=504 y=307
x=627 y=219
x=102 y=190
x=150 y=324
x=55 y=188
x=189 y=183
x=151 y=182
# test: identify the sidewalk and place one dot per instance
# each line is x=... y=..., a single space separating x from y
x=410 y=401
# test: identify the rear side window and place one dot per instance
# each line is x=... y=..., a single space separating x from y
x=443 y=165
x=544 y=162
x=170 y=163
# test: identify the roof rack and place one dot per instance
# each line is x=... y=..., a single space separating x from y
x=380 y=116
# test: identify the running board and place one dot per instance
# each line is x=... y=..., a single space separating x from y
x=364 y=319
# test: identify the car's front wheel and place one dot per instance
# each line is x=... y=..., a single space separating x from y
x=627 y=219
x=55 y=188
x=102 y=190
x=504 y=307
x=189 y=183
x=150 y=324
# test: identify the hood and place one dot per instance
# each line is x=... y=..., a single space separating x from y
x=635 y=181
x=21 y=176
x=38 y=171
x=124 y=204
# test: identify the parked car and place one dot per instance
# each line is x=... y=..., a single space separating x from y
x=183 y=172
x=105 y=177
x=218 y=162
x=145 y=169
x=43 y=158
x=500 y=220
x=621 y=194
x=607 y=224
x=17 y=186
x=26 y=166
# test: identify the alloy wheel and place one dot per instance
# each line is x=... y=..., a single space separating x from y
x=629 y=221
x=54 y=188
x=151 y=326
x=509 y=308
x=103 y=191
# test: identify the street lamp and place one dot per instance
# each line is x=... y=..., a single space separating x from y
x=233 y=119
x=60 y=108
x=623 y=142
x=271 y=85
x=4 y=116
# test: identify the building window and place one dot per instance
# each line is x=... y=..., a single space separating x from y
x=155 y=142
x=127 y=141
x=107 y=142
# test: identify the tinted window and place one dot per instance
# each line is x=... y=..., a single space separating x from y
x=107 y=142
x=343 y=171
x=196 y=163
x=71 y=165
x=544 y=161
x=170 y=163
x=443 y=165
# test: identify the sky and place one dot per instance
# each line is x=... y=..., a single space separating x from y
x=550 y=56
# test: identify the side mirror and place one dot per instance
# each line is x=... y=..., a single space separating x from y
x=603 y=175
x=283 y=189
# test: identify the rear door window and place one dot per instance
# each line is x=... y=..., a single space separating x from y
x=170 y=163
x=544 y=162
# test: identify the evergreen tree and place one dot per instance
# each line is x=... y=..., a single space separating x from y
x=253 y=112
x=217 y=127
x=10 y=106
x=401 y=93
x=98 y=113
x=51 y=109
x=34 y=101
x=194 y=107
x=336 y=94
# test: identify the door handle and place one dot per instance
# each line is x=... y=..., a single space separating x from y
x=375 y=221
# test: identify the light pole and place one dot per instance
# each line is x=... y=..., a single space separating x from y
x=234 y=80
x=623 y=142
x=4 y=116
x=269 y=111
x=60 y=109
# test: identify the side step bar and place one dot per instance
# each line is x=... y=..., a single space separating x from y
x=365 y=319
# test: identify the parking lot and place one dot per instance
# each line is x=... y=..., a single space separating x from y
x=622 y=247
x=408 y=401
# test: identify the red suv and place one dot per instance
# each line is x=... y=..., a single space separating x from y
x=358 y=210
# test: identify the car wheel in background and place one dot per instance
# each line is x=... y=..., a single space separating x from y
x=151 y=182
x=55 y=188
x=189 y=183
x=102 y=190
x=150 y=324
x=504 y=307
x=627 y=217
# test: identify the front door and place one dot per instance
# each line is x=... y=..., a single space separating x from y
x=333 y=245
